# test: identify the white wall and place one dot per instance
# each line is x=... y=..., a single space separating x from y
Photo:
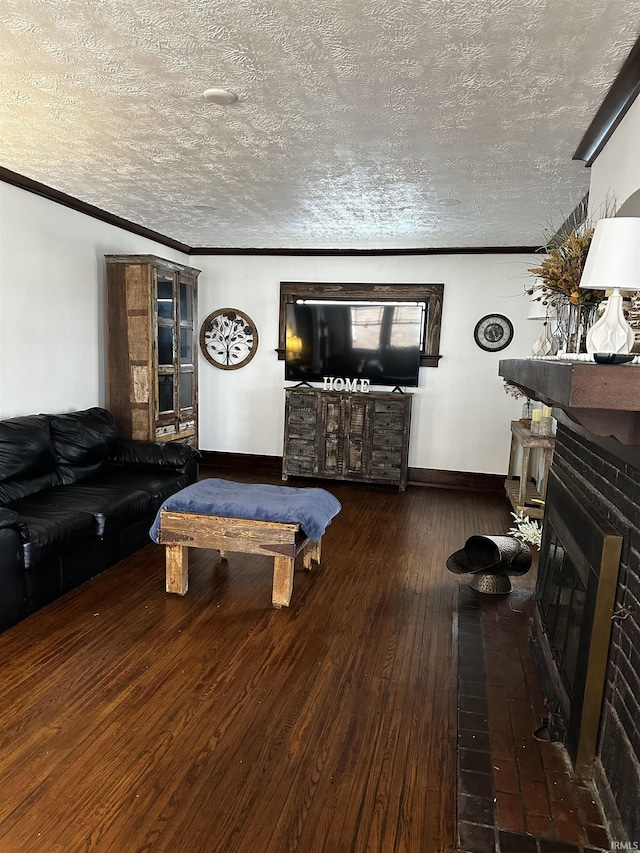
x=461 y=413
x=52 y=333
x=615 y=173
x=52 y=320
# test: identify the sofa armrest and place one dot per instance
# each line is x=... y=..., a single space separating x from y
x=13 y=597
x=149 y=454
x=10 y=520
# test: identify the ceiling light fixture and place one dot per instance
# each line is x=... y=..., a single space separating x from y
x=224 y=97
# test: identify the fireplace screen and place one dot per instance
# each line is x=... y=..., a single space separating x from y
x=577 y=576
x=562 y=602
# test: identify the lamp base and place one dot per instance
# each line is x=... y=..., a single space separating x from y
x=612 y=333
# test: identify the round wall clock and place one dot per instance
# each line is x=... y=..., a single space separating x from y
x=493 y=332
x=228 y=338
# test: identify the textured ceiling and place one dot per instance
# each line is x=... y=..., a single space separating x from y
x=359 y=124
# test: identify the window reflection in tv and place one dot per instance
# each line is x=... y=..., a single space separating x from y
x=354 y=340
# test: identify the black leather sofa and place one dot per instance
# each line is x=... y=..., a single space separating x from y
x=74 y=499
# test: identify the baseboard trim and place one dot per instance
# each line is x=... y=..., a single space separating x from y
x=466 y=480
x=242 y=461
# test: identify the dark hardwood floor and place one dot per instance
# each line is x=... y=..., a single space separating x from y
x=133 y=720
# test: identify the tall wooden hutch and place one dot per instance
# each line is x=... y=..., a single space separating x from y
x=152 y=351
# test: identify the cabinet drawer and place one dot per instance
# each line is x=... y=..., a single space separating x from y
x=386 y=457
x=301 y=448
x=301 y=432
x=299 y=466
x=302 y=416
x=390 y=406
x=388 y=422
x=391 y=474
x=163 y=431
x=302 y=401
x=387 y=439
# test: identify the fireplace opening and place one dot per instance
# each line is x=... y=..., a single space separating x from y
x=575 y=593
x=562 y=602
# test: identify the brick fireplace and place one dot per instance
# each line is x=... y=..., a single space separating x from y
x=588 y=593
x=601 y=480
x=575 y=593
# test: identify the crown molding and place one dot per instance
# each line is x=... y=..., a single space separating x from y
x=453 y=250
x=51 y=194
x=623 y=92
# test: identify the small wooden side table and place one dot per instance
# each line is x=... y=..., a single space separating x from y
x=521 y=491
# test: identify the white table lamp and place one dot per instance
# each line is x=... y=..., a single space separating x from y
x=613 y=263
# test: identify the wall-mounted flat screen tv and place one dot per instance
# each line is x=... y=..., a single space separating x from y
x=378 y=341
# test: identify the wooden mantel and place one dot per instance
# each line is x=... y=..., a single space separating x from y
x=602 y=398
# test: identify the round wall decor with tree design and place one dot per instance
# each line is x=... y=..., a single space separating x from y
x=228 y=338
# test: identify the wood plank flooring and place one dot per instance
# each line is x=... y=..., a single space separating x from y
x=133 y=720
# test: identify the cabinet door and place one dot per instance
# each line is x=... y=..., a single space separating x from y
x=390 y=439
x=356 y=422
x=186 y=353
x=330 y=428
x=174 y=309
x=165 y=316
x=299 y=456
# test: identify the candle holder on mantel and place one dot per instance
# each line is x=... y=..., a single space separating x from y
x=613 y=262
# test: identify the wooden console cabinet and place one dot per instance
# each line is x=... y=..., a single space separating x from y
x=346 y=436
x=152 y=355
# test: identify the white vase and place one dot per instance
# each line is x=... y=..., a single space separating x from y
x=545 y=344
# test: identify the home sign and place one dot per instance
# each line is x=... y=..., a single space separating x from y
x=338 y=384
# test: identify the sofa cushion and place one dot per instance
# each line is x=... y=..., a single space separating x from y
x=112 y=505
x=51 y=528
x=159 y=486
x=27 y=458
x=82 y=442
x=170 y=455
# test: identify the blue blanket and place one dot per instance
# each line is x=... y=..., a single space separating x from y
x=311 y=508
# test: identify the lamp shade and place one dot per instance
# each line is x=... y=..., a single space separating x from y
x=613 y=259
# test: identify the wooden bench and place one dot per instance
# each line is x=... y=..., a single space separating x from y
x=179 y=531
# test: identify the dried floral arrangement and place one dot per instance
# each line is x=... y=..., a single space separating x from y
x=560 y=272
x=526 y=530
x=558 y=276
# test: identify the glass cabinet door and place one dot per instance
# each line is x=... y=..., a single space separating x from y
x=186 y=346
x=165 y=342
x=187 y=349
x=165 y=345
x=186 y=389
x=165 y=394
x=166 y=301
x=175 y=353
x=186 y=303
